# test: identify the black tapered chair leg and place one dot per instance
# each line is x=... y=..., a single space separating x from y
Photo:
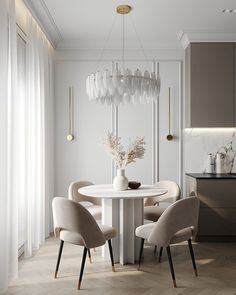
x=59 y=258
x=160 y=254
x=89 y=255
x=192 y=257
x=140 y=253
x=82 y=267
x=171 y=266
x=111 y=255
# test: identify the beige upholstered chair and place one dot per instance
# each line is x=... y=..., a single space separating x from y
x=93 y=205
x=178 y=223
x=74 y=224
x=151 y=210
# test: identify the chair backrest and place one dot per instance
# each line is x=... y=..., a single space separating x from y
x=74 y=195
x=171 y=196
x=71 y=216
x=179 y=215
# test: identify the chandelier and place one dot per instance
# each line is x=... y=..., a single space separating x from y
x=123 y=86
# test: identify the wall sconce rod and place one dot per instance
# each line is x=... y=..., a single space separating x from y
x=169 y=137
x=70 y=135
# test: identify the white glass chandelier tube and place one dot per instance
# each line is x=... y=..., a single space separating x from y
x=120 y=88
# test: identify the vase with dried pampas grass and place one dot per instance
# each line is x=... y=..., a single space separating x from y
x=122 y=157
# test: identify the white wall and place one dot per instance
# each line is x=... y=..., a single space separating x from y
x=85 y=158
x=170 y=152
x=136 y=120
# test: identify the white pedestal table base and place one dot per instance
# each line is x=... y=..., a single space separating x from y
x=124 y=215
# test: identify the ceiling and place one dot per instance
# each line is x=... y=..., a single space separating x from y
x=86 y=23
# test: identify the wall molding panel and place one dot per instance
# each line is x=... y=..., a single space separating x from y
x=155 y=130
x=85 y=157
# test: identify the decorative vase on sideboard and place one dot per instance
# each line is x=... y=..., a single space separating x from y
x=120 y=182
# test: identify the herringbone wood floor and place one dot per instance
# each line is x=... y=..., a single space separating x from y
x=216 y=266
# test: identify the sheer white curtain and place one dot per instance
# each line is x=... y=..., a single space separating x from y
x=39 y=100
x=8 y=153
x=25 y=146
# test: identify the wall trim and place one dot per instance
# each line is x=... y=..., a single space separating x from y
x=77 y=44
x=42 y=15
x=181 y=130
x=114 y=127
x=155 y=133
x=116 y=55
x=186 y=37
x=184 y=40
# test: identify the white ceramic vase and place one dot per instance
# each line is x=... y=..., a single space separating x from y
x=219 y=164
x=210 y=164
x=120 y=182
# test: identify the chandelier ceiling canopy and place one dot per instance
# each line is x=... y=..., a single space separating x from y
x=123 y=86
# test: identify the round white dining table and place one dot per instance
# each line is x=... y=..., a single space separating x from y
x=124 y=211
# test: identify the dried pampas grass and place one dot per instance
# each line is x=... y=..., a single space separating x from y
x=115 y=149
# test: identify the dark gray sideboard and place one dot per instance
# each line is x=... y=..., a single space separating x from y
x=217 y=214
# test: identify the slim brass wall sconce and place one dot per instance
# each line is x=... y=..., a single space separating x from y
x=170 y=136
x=70 y=135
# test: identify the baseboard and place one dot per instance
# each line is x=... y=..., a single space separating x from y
x=21 y=250
x=218 y=239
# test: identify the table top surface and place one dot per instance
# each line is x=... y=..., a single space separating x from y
x=106 y=191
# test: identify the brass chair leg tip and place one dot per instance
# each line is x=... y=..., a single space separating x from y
x=79 y=284
x=55 y=275
x=138 y=268
x=90 y=260
x=195 y=271
x=174 y=283
x=113 y=268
